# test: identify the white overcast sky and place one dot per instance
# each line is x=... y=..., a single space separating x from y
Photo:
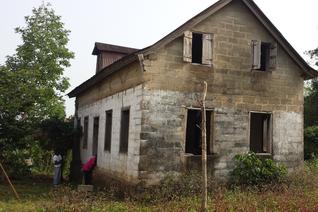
x=140 y=23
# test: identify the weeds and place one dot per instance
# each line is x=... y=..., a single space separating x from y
x=298 y=193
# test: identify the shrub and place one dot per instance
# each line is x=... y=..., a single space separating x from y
x=310 y=142
x=250 y=170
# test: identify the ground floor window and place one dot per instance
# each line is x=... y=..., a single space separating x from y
x=124 y=131
x=260 y=132
x=193 y=132
x=85 y=133
x=95 y=135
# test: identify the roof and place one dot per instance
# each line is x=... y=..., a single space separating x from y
x=307 y=71
x=105 y=47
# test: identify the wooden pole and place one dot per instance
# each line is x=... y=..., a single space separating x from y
x=8 y=179
x=204 y=157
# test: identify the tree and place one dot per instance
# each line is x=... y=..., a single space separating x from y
x=32 y=81
x=311 y=113
x=311 y=98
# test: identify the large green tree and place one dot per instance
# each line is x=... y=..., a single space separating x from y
x=32 y=82
x=311 y=98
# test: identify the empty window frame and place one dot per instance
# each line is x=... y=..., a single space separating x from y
x=264 y=55
x=79 y=128
x=260 y=132
x=108 y=130
x=95 y=135
x=197 y=48
x=85 y=134
x=124 y=131
x=193 y=132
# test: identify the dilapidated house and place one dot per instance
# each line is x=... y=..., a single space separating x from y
x=140 y=111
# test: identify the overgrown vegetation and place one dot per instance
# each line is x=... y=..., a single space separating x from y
x=311 y=142
x=297 y=193
x=251 y=170
x=32 y=86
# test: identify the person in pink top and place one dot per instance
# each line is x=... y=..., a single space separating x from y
x=88 y=170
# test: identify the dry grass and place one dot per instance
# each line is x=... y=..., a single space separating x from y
x=298 y=193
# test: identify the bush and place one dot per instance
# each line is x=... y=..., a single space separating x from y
x=250 y=170
x=310 y=142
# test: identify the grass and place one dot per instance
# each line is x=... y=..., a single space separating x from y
x=298 y=193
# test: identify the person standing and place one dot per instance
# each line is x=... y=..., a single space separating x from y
x=57 y=160
x=88 y=169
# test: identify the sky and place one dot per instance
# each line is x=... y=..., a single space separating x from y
x=140 y=23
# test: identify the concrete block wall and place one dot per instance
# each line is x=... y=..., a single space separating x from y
x=234 y=90
x=115 y=164
x=163 y=131
x=169 y=86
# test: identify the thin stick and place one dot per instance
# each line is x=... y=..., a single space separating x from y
x=204 y=157
x=8 y=179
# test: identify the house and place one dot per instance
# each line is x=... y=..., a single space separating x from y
x=140 y=111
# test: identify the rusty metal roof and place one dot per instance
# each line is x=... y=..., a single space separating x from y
x=105 y=47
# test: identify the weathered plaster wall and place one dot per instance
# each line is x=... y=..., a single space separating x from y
x=115 y=164
x=233 y=91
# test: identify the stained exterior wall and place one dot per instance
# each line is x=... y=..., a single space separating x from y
x=122 y=166
x=128 y=77
x=233 y=92
x=169 y=86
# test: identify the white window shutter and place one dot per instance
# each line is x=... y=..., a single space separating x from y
x=273 y=56
x=256 y=53
x=207 y=49
x=187 y=46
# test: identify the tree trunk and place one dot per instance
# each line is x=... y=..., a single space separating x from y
x=75 y=169
x=204 y=157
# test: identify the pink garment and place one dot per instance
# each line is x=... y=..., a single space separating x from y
x=89 y=164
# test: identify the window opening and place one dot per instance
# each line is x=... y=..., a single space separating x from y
x=124 y=131
x=193 y=132
x=260 y=132
x=108 y=130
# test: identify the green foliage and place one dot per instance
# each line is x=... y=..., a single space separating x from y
x=32 y=81
x=250 y=170
x=314 y=55
x=310 y=104
x=41 y=160
x=310 y=142
x=57 y=134
x=311 y=97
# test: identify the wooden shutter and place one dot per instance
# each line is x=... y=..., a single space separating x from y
x=266 y=134
x=273 y=56
x=256 y=53
x=207 y=49
x=187 y=47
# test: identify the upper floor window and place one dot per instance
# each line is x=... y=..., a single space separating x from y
x=197 y=48
x=264 y=55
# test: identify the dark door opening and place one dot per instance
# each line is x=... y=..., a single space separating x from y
x=95 y=135
x=193 y=132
